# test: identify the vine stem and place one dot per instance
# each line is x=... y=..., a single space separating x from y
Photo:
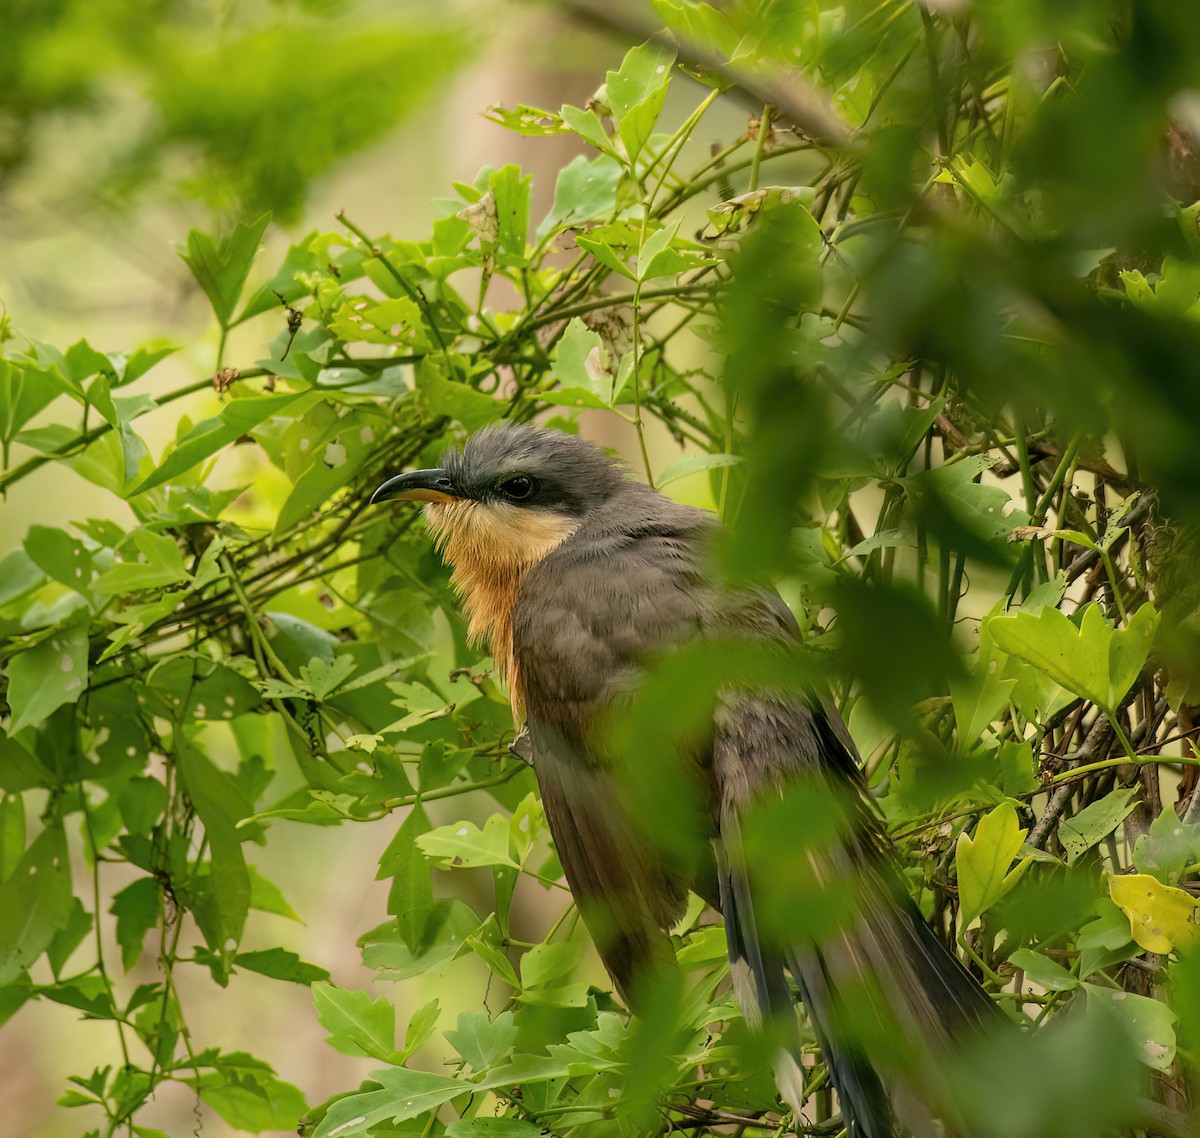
x=101 y=966
x=764 y=129
x=1122 y=760
x=397 y=276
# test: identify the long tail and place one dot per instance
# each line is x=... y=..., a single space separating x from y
x=760 y=984
x=807 y=885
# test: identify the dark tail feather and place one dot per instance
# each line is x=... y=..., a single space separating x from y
x=914 y=988
x=761 y=987
x=866 y=1105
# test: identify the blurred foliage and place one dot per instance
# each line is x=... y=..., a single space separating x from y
x=239 y=104
x=936 y=375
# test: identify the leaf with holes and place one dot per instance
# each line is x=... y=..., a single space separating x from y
x=1161 y=917
x=44 y=677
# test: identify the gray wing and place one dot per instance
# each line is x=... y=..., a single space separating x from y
x=581 y=626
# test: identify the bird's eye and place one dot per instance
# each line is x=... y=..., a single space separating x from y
x=518 y=488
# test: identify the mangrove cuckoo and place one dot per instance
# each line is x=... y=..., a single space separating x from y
x=577 y=577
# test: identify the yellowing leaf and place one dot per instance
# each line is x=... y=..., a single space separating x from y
x=1160 y=916
x=983 y=860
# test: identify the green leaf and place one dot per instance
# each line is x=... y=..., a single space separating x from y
x=421 y=1026
x=239 y=417
x=12 y=833
x=636 y=92
x=983 y=862
x=301 y=257
x=1094 y=661
x=62 y=558
x=532 y=122
x=48 y=675
x=144 y=358
x=35 y=902
x=1105 y=940
x=511 y=192
x=138 y=909
x=13 y=997
x=401 y=1094
x=1043 y=971
x=587 y=124
x=978 y=699
x=1167 y=847
x=410 y=898
x=546 y=964
x=220 y=806
x=579 y=367
x=1150 y=1022
x=447 y=926
x=481 y=1042
x=25 y=389
x=693 y=464
x=357 y=1024
x=485 y=943
x=222 y=266
x=465 y=844
x=479 y=1127
x=962 y=510
x=700 y=23
x=1095 y=821
x=159 y=563
x=18 y=574
x=248 y=1095
x=609 y=255
x=658 y=258
x=586 y=190
x=280 y=964
x=459 y=401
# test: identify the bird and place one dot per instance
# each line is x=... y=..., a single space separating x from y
x=578 y=578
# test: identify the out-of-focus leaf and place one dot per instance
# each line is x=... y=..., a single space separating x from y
x=1150 y=1022
x=693 y=464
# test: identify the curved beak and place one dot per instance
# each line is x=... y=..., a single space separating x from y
x=418 y=486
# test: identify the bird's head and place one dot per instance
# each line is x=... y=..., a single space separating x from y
x=509 y=496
